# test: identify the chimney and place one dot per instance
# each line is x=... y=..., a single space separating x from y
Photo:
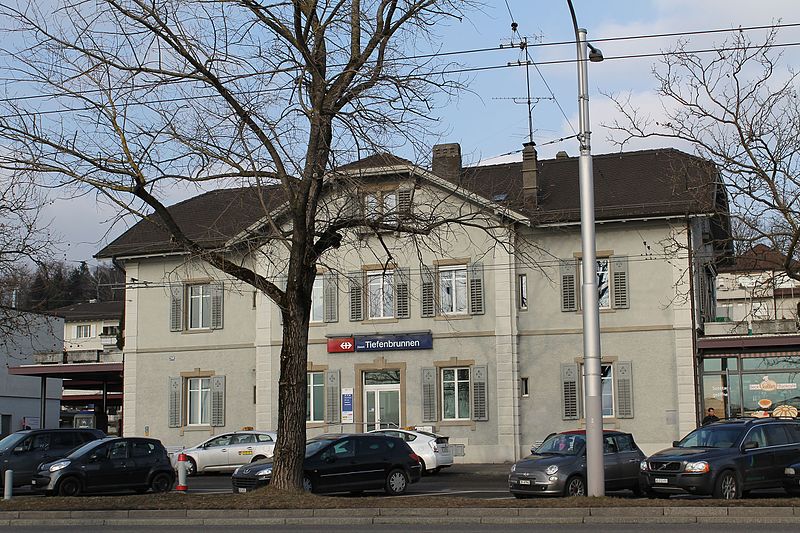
x=562 y=155
x=447 y=161
x=530 y=176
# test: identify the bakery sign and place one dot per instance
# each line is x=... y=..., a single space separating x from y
x=381 y=343
x=769 y=385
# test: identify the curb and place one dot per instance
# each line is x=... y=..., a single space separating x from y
x=399 y=516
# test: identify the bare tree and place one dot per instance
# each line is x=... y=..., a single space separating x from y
x=143 y=97
x=738 y=108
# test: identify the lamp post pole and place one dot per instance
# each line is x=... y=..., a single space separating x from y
x=595 y=473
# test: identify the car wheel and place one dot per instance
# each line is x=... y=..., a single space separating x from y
x=69 y=486
x=396 y=482
x=257 y=458
x=423 y=469
x=637 y=489
x=308 y=484
x=191 y=467
x=575 y=486
x=727 y=486
x=161 y=482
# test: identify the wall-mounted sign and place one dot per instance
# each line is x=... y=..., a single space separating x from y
x=380 y=343
x=341 y=344
x=347 y=405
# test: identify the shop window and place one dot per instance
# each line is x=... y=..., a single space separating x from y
x=315 y=397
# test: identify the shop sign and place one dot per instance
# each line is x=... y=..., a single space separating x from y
x=341 y=345
x=380 y=343
x=769 y=385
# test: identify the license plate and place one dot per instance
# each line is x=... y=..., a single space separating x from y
x=661 y=480
x=524 y=481
x=242 y=489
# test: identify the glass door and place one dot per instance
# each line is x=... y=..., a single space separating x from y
x=381 y=399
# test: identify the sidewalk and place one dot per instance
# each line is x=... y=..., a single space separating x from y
x=411 y=516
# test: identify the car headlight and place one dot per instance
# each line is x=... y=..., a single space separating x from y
x=265 y=472
x=58 y=466
x=238 y=469
x=514 y=467
x=550 y=470
x=643 y=465
x=789 y=471
x=699 y=466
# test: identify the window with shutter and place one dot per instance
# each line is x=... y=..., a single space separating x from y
x=429 y=409
x=218 y=401
x=480 y=395
x=476 y=298
x=356 y=296
x=623 y=372
x=569 y=301
x=427 y=305
x=176 y=308
x=569 y=391
x=175 y=390
x=217 y=302
x=404 y=202
x=619 y=273
x=332 y=397
x=330 y=289
x=402 y=293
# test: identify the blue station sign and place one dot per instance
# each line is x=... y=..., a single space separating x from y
x=406 y=341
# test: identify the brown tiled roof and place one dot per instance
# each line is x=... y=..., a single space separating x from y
x=759 y=258
x=382 y=159
x=210 y=219
x=90 y=311
x=631 y=184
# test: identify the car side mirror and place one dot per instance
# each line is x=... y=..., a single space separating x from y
x=749 y=445
x=675 y=443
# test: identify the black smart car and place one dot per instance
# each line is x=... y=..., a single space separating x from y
x=558 y=466
x=111 y=464
x=725 y=459
x=24 y=450
x=337 y=463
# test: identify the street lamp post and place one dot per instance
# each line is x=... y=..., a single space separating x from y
x=595 y=474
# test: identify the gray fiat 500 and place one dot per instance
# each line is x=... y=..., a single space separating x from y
x=558 y=466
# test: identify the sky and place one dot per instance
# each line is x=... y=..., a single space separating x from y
x=486 y=122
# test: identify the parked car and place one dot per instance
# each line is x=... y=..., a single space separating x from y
x=726 y=459
x=226 y=452
x=558 y=466
x=434 y=450
x=24 y=450
x=791 y=479
x=109 y=464
x=337 y=463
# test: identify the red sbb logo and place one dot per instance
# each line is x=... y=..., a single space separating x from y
x=341 y=345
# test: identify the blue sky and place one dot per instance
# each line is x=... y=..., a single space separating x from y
x=485 y=126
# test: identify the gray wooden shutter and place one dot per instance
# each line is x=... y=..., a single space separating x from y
x=429 y=408
x=569 y=391
x=217 y=401
x=427 y=289
x=175 y=391
x=569 y=301
x=619 y=273
x=476 y=298
x=480 y=396
x=355 y=280
x=402 y=292
x=217 y=300
x=332 y=397
x=330 y=297
x=623 y=378
x=176 y=307
x=404 y=202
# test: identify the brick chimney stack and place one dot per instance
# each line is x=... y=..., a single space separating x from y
x=530 y=176
x=447 y=161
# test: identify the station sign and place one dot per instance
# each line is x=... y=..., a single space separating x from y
x=381 y=343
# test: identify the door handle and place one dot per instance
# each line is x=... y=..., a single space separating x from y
x=224 y=450
x=249 y=447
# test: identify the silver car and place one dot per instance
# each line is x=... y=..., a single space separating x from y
x=433 y=449
x=228 y=451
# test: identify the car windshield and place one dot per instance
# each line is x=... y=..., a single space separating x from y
x=313 y=446
x=10 y=441
x=81 y=450
x=712 y=437
x=564 y=444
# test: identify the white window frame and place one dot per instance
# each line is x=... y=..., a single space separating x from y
x=598 y=273
x=201 y=298
x=386 y=286
x=451 y=273
x=604 y=381
x=317 y=301
x=522 y=291
x=376 y=204
x=312 y=390
x=83 y=328
x=195 y=387
x=458 y=384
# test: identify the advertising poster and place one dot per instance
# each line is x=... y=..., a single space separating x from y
x=347 y=406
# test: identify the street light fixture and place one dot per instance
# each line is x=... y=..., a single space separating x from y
x=595 y=474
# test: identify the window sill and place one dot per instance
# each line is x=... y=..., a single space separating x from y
x=459 y=316
x=456 y=423
x=197 y=427
x=391 y=320
x=319 y=324
x=197 y=330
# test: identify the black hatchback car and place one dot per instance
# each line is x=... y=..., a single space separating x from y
x=24 y=450
x=111 y=464
x=725 y=459
x=337 y=463
x=558 y=466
